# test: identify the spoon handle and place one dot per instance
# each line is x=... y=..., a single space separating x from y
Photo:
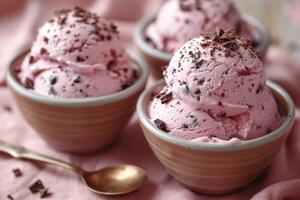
x=22 y=153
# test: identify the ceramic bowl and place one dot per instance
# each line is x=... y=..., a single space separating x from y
x=216 y=168
x=82 y=125
x=158 y=59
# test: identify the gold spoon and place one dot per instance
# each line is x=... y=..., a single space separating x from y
x=114 y=180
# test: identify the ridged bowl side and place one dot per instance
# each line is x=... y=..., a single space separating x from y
x=77 y=125
x=213 y=172
x=216 y=168
x=77 y=129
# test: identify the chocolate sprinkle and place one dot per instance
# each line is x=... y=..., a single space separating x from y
x=37 y=187
x=10 y=197
x=161 y=125
x=166 y=98
x=17 y=172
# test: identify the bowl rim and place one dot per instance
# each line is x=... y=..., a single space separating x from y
x=80 y=102
x=148 y=124
x=166 y=57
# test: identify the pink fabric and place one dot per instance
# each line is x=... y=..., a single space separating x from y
x=280 y=181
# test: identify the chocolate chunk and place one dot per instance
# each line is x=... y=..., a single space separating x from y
x=10 y=197
x=231 y=45
x=46 y=40
x=52 y=91
x=45 y=193
x=17 y=172
x=166 y=98
x=185 y=126
x=198 y=91
x=161 y=125
x=185 y=5
x=77 y=79
x=125 y=86
x=220 y=32
x=259 y=89
x=53 y=80
x=31 y=59
x=269 y=131
x=43 y=51
x=29 y=83
x=80 y=59
x=62 y=20
x=37 y=187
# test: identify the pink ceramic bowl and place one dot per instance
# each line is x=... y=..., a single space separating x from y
x=216 y=168
x=157 y=58
x=78 y=125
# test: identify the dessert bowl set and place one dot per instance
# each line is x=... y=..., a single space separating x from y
x=78 y=87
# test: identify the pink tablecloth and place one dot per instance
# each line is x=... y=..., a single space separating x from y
x=280 y=181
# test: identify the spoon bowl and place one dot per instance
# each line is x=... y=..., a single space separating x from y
x=115 y=180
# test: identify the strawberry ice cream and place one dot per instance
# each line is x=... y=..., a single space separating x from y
x=216 y=89
x=181 y=20
x=77 y=54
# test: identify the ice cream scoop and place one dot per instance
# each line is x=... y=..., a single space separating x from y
x=77 y=54
x=219 y=72
x=181 y=20
x=216 y=89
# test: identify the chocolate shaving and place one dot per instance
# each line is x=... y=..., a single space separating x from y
x=10 y=197
x=231 y=45
x=187 y=6
x=46 y=40
x=269 y=131
x=17 y=172
x=80 y=59
x=53 y=80
x=37 y=187
x=166 y=98
x=31 y=59
x=43 y=51
x=77 y=80
x=161 y=125
x=29 y=83
x=259 y=88
x=45 y=193
x=52 y=91
x=220 y=32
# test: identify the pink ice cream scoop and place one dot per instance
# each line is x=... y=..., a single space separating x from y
x=181 y=20
x=216 y=90
x=77 y=54
x=221 y=74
